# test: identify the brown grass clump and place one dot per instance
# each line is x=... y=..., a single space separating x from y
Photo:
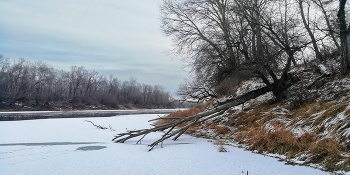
x=185 y=113
x=218 y=129
x=345 y=165
x=232 y=121
x=306 y=140
x=222 y=130
x=191 y=129
x=180 y=114
x=254 y=118
x=308 y=109
x=210 y=126
x=347 y=112
x=327 y=151
x=279 y=141
x=331 y=109
x=330 y=112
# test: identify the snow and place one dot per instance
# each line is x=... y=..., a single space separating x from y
x=323 y=69
x=72 y=146
x=248 y=85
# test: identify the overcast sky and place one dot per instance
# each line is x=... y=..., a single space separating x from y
x=110 y=36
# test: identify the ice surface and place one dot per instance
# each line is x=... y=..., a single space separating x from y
x=72 y=146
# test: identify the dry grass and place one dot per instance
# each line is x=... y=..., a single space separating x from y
x=251 y=131
x=222 y=130
x=347 y=112
x=220 y=145
x=186 y=113
x=327 y=151
x=345 y=165
x=191 y=129
x=281 y=141
x=254 y=118
x=218 y=129
x=179 y=114
x=210 y=126
x=307 y=110
x=330 y=112
x=330 y=109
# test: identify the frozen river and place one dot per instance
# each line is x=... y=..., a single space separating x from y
x=72 y=146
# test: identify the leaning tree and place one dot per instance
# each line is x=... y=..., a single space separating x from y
x=229 y=40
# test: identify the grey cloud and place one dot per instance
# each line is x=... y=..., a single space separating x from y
x=112 y=37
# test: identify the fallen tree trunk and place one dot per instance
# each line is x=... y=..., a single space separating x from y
x=170 y=129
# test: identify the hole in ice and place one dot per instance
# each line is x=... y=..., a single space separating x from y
x=91 y=148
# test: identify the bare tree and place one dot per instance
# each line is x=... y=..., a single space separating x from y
x=76 y=80
x=344 y=33
x=43 y=82
x=196 y=90
x=279 y=37
x=307 y=27
x=331 y=29
x=40 y=86
x=19 y=85
x=202 y=30
x=4 y=80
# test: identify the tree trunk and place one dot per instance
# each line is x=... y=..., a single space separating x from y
x=307 y=27
x=343 y=38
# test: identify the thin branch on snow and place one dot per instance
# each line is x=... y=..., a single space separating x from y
x=97 y=126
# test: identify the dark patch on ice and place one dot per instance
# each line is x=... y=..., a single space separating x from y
x=48 y=143
x=91 y=148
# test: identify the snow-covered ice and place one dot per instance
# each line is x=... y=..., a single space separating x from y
x=72 y=146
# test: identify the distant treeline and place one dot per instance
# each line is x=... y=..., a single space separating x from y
x=39 y=85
